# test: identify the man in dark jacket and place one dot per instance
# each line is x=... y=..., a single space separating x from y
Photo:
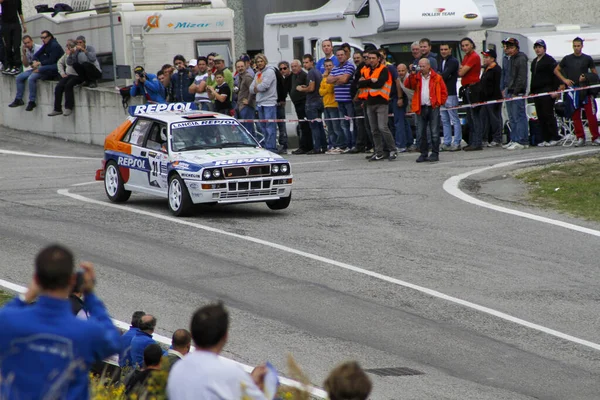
x=181 y=80
x=517 y=86
x=300 y=78
x=283 y=73
x=46 y=351
x=44 y=66
x=448 y=68
x=364 y=138
x=543 y=80
x=491 y=114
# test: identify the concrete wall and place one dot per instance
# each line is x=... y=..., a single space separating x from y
x=97 y=112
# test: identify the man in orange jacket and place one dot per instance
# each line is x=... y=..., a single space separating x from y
x=430 y=94
x=374 y=86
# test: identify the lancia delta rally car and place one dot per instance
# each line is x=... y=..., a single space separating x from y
x=191 y=157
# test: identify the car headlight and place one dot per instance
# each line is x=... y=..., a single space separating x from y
x=216 y=173
x=207 y=174
x=275 y=168
x=284 y=169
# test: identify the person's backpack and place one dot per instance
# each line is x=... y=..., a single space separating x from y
x=125 y=95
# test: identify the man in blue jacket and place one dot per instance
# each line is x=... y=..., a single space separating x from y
x=45 y=351
x=127 y=337
x=142 y=339
x=147 y=85
x=44 y=66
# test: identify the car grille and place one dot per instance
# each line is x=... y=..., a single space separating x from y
x=248 y=193
x=239 y=172
x=254 y=185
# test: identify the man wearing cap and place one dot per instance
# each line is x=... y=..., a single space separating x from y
x=491 y=117
x=516 y=86
x=84 y=62
x=147 y=85
x=219 y=63
x=543 y=80
x=572 y=71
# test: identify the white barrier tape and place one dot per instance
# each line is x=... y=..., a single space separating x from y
x=464 y=106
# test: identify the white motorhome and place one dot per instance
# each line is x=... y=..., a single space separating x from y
x=393 y=24
x=147 y=33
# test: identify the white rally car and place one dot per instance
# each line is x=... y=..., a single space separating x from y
x=192 y=157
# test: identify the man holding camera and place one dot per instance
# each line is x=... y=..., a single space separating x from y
x=83 y=60
x=147 y=85
x=68 y=80
x=46 y=351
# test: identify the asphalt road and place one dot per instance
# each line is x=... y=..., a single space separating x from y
x=392 y=218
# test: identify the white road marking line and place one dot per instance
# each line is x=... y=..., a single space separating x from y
x=85 y=183
x=22 y=153
x=430 y=292
x=165 y=340
x=451 y=186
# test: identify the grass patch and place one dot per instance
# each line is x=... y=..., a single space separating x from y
x=571 y=186
x=5 y=297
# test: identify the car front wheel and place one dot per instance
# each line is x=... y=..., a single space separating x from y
x=280 y=204
x=180 y=203
x=113 y=184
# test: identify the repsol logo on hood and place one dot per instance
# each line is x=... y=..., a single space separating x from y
x=245 y=161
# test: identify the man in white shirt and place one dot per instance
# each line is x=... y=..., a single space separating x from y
x=203 y=374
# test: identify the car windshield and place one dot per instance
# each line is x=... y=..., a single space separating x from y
x=209 y=134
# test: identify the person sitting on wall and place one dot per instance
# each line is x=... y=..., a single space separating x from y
x=69 y=79
x=43 y=67
x=85 y=63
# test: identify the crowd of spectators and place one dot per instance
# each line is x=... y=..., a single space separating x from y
x=351 y=91
x=48 y=346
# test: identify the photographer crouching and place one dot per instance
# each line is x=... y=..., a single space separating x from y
x=147 y=85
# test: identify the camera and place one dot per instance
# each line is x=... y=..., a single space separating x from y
x=78 y=281
x=415 y=68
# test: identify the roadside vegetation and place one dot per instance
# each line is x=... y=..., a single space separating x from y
x=5 y=297
x=571 y=186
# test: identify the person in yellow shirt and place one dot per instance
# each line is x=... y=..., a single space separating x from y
x=334 y=127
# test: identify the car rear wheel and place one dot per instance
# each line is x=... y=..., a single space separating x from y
x=113 y=184
x=280 y=204
x=180 y=203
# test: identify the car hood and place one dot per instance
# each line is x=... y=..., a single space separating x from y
x=223 y=157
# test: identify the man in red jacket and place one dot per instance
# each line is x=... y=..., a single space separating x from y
x=430 y=94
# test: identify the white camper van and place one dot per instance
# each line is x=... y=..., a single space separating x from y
x=393 y=24
x=147 y=33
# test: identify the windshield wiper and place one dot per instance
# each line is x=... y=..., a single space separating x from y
x=236 y=144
